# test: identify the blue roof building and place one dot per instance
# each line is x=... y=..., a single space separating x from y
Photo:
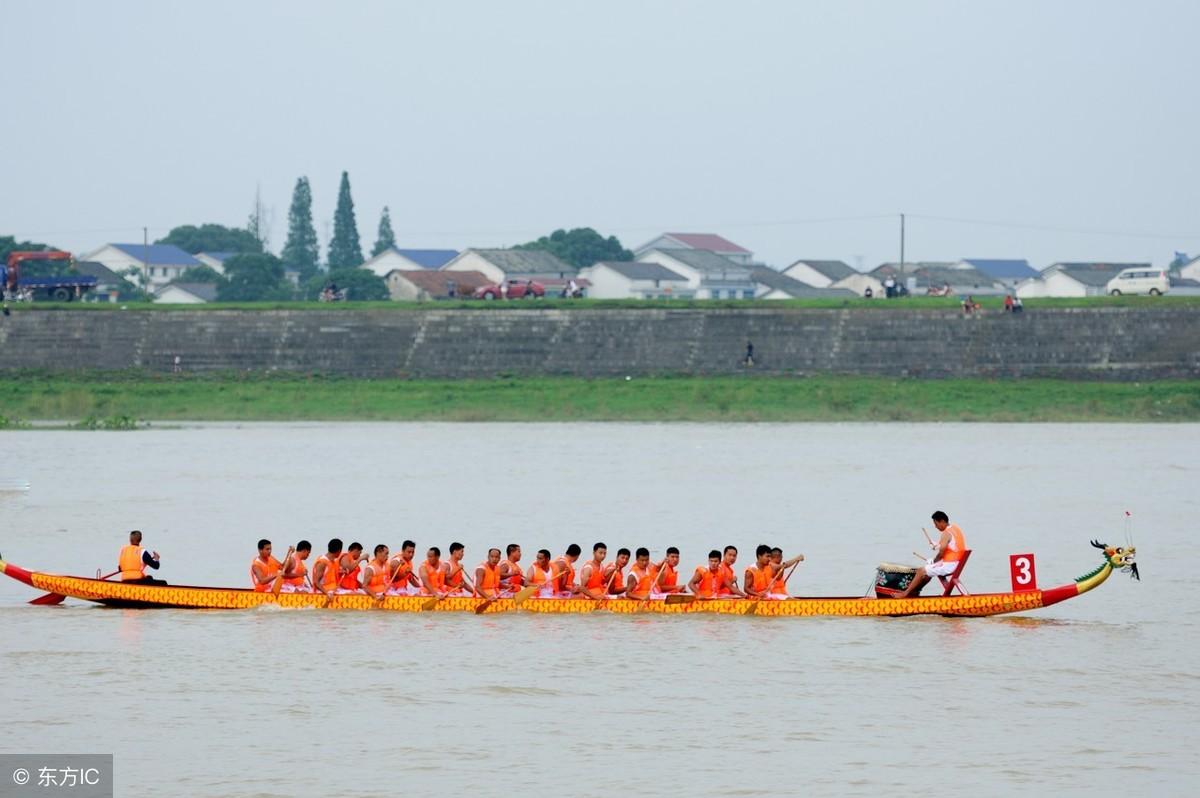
x=394 y=258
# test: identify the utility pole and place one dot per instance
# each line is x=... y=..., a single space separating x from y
x=146 y=259
x=901 y=243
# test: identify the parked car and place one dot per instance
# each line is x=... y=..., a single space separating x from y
x=516 y=289
x=1154 y=282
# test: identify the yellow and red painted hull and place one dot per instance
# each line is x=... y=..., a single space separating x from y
x=182 y=597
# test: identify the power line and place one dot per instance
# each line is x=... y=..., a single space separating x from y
x=1056 y=229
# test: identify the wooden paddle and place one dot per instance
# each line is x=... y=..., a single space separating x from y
x=50 y=599
x=275 y=588
x=524 y=593
x=607 y=587
x=679 y=598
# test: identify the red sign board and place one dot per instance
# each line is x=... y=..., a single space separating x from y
x=1024 y=573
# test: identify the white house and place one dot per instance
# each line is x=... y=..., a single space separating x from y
x=425 y=284
x=215 y=260
x=632 y=279
x=709 y=275
x=1009 y=272
x=772 y=284
x=394 y=258
x=833 y=274
x=159 y=263
x=1191 y=269
x=705 y=241
x=1073 y=279
x=186 y=293
x=918 y=278
x=504 y=264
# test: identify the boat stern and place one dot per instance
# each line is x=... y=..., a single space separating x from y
x=20 y=574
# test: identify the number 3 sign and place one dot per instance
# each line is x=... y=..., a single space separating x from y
x=1023 y=572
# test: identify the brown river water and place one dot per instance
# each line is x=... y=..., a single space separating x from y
x=1098 y=695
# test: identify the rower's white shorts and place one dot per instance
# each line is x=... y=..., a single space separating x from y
x=940 y=568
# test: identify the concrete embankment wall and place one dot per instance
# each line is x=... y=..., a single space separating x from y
x=1110 y=343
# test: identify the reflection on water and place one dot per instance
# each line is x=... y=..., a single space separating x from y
x=1093 y=695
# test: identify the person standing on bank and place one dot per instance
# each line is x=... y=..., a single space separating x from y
x=133 y=561
x=947 y=553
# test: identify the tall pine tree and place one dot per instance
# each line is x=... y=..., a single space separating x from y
x=301 y=251
x=345 y=250
x=385 y=238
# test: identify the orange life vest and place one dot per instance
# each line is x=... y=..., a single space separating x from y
x=957 y=545
x=437 y=577
x=348 y=580
x=596 y=577
x=615 y=581
x=566 y=579
x=538 y=575
x=329 y=579
x=270 y=569
x=491 y=577
x=670 y=577
x=707 y=586
x=378 y=580
x=403 y=569
x=761 y=578
x=780 y=585
x=130 y=563
x=515 y=578
x=455 y=580
x=645 y=579
x=297 y=581
x=725 y=577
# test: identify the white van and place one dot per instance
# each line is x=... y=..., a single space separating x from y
x=1139 y=281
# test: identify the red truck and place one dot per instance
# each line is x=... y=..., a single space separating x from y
x=62 y=288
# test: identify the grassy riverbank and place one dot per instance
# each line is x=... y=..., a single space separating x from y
x=117 y=398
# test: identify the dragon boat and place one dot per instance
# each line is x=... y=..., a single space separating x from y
x=144 y=596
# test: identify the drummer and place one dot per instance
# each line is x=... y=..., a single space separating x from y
x=947 y=553
x=133 y=561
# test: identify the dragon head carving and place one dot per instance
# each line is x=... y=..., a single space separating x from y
x=1120 y=558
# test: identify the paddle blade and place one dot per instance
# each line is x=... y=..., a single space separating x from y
x=429 y=604
x=482 y=608
x=48 y=599
x=525 y=593
x=679 y=598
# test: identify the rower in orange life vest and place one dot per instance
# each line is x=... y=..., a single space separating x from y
x=764 y=575
x=727 y=586
x=403 y=580
x=563 y=570
x=511 y=578
x=325 y=569
x=295 y=572
x=593 y=577
x=375 y=575
x=487 y=576
x=348 y=565
x=666 y=578
x=541 y=574
x=433 y=574
x=133 y=560
x=615 y=581
x=264 y=568
x=457 y=581
x=947 y=553
x=779 y=586
x=704 y=582
x=640 y=582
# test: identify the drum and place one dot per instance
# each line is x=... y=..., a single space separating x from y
x=891 y=580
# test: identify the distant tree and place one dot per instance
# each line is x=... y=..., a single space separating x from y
x=211 y=238
x=385 y=238
x=361 y=285
x=200 y=274
x=1180 y=260
x=254 y=278
x=301 y=252
x=259 y=222
x=345 y=250
x=580 y=247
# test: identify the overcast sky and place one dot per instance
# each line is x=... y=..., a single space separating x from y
x=797 y=129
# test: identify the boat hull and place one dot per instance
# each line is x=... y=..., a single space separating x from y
x=118 y=594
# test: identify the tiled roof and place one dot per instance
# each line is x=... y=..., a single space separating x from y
x=435 y=283
x=706 y=261
x=709 y=241
x=159 y=254
x=833 y=269
x=205 y=291
x=525 y=261
x=791 y=286
x=635 y=270
x=428 y=258
x=1003 y=269
x=102 y=273
x=1093 y=274
x=930 y=274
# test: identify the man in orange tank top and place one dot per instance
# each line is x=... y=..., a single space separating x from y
x=375 y=575
x=727 y=586
x=541 y=574
x=348 y=568
x=666 y=579
x=325 y=570
x=456 y=574
x=403 y=579
x=564 y=572
x=295 y=572
x=640 y=582
x=264 y=568
x=433 y=573
x=510 y=570
x=487 y=576
x=593 y=576
x=944 y=561
x=615 y=581
x=704 y=581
